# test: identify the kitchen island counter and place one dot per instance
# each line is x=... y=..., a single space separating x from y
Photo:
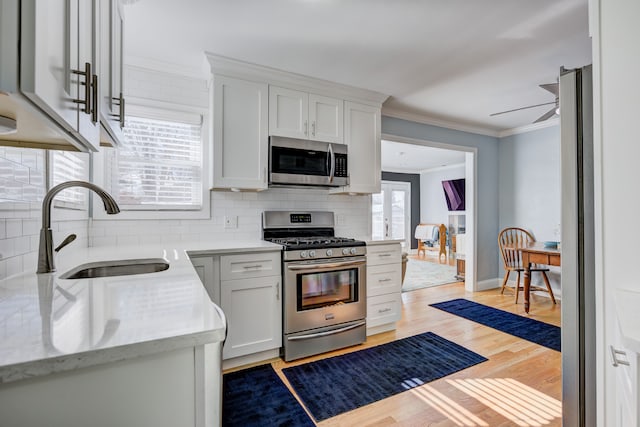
x=53 y=325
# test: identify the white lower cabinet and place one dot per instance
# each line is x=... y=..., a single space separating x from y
x=248 y=288
x=254 y=314
x=146 y=391
x=384 y=286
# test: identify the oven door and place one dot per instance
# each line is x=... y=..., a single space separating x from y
x=320 y=293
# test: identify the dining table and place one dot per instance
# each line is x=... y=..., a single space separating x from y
x=536 y=253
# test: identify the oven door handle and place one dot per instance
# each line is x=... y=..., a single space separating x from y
x=326 y=333
x=325 y=265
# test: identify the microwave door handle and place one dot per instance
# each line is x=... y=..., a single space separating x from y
x=333 y=164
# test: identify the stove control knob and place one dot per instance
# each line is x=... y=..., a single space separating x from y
x=303 y=254
x=345 y=251
x=329 y=252
x=353 y=251
x=312 y=254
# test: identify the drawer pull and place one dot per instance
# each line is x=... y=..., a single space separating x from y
x=614 y=357
x=384 y=280
x=385 y=255
x=252 y=267
x=384 y=310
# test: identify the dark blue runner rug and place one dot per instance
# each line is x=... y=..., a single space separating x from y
x=257 y=397
x=329 y=387
x=522 y=327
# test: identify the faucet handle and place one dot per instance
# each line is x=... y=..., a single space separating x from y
x=70 y=238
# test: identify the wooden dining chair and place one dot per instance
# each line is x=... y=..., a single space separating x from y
x=512 y=260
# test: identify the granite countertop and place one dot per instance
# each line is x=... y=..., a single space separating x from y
x=48 y=324
x=627 y=303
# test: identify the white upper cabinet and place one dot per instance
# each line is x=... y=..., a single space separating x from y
x=53 y=87
x=362 y=136
x=288 y=113
x=240 y=134
x=112 y=105
x=297 y=114
x=326 y=116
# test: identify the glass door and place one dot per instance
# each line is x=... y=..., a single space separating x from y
x=391 y=212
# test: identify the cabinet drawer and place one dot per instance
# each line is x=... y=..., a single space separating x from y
x=258 y=264
x=383 y=254
x=383 y=309
x=384 y=279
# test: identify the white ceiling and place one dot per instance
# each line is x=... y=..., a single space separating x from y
x=447 y=61
x=410 y=158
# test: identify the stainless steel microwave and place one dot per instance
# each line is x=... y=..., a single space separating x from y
x=304 y=162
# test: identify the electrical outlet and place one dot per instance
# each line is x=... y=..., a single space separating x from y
x=230 y=221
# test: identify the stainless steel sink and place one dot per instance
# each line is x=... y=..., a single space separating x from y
x=116 y=268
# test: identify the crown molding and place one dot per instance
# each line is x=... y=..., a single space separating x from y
x=424 y=119
x=165 y=67
x=223 y=65
x=530 y=128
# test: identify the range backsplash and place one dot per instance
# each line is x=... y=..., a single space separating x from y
x=352 y=216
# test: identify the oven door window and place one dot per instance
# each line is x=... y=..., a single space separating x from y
x=316 y=290
x=299 y=162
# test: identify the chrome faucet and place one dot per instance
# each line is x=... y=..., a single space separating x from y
x=45 y=253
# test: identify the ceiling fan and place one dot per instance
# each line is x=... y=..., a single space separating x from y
x=550 y=87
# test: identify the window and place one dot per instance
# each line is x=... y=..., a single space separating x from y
x=159 y=166
x=69 y=166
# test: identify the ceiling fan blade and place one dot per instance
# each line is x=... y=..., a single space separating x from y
x=551 y=87
x=522 y=108
x=546 y=115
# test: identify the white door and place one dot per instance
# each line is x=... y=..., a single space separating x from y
x=391 y=212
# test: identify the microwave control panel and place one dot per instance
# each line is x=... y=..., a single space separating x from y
x=341 y=165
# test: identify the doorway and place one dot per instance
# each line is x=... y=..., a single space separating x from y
x=402 y=155
x=391 y=212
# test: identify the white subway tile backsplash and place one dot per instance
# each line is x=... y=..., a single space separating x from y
x=354 y=212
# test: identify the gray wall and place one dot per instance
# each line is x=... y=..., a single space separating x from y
x=434 y=205
x=416 y=192
x=529 y=186
x=487 y=182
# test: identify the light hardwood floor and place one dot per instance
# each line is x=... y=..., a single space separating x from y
x=520 y=384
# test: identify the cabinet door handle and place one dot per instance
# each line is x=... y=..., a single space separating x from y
x=87 y=88
x=614 y=357
x=384 y=280
x=305 y=129
x=264 y=175
x=122 y=111
x=94 y=100
x=313 y=128
x=278 y=291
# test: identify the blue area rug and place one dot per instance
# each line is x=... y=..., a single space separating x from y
x=522 y=327
x=257 y=397
x=329 y=387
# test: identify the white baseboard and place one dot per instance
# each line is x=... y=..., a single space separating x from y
x=488 y=284
x=262 y=356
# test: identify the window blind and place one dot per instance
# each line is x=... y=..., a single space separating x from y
x=69 y=166
x=160 y=164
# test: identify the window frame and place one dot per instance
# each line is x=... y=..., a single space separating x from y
x=163 y=111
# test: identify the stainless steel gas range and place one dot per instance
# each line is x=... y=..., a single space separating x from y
x=324 y=283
